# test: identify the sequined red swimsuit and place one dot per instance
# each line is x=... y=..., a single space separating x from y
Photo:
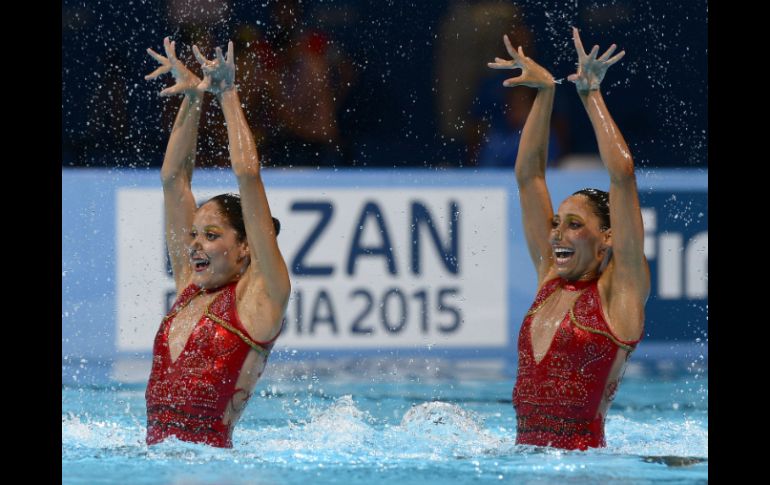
x=187 y=398
x=557 y=399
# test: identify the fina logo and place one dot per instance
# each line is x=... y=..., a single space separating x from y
x=682 y=269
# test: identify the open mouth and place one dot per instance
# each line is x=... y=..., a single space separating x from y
x=563 y=255
x=200 y=263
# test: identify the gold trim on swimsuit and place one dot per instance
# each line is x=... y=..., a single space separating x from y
x=216 y=319
x=179 y=309
x=617 y=342
x=573 y=319
x=260 y=350
x=542 y=303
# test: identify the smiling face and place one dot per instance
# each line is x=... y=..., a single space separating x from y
x=217 y=255
x=578 y=242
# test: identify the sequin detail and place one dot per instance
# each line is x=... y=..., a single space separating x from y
x=188 y=397
x=557 y=399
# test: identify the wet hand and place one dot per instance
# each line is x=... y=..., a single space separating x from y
x=186 y=81
x=532 y=74
x=219 y=73
x=590 y=70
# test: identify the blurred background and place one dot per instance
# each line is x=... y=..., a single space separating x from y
x=383 y=83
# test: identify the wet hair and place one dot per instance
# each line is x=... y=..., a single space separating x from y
x=600 y=201
x=230 y=205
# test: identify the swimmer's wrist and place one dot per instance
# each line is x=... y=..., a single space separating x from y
x=588 y=93
x=594 y=87
x=227 y=92
x=195 y=95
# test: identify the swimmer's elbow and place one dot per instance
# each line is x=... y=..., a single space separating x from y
x=526 y=176
x=623 y=174
x=171 y=179
x=247 y=167
x=286 y=288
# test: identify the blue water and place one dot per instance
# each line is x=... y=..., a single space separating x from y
x=375 y=427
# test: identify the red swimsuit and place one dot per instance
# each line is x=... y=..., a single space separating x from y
x=557 y=400
x=187 y=398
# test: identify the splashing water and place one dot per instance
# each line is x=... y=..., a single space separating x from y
x=378 y=432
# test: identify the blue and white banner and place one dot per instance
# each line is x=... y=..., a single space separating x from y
x=382 y=267
x=409 y=260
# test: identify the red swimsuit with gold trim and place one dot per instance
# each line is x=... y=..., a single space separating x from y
x=187 y=398
x=557 y=399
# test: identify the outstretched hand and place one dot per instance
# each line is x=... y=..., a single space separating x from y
x=218 y=74
x=590 y=70
x=532 y=74
x=186 y=81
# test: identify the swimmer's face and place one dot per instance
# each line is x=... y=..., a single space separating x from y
x=216 y=255
x=577 y=241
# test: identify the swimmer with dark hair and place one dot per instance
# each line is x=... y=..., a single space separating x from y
x=231 y=280
x=592 y=276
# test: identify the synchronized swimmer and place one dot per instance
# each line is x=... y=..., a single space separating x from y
x=233 y=285
x=231 y=280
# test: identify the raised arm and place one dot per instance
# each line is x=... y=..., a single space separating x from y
x=267 y=270
x=536 y=208
x=630 y=278
x=178 y=163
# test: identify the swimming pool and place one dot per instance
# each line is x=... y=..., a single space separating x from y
x=382 y=423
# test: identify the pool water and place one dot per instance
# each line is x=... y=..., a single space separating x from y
x=306 y=425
